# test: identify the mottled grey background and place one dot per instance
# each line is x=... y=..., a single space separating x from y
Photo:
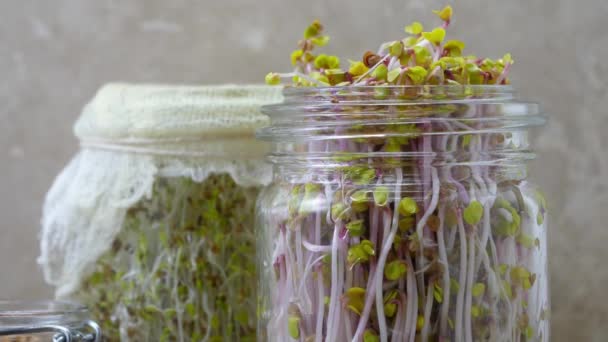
x=55 y=54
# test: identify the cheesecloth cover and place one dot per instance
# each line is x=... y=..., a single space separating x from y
x=130 y=135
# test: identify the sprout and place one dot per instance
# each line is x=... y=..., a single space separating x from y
x=390 y=306
x=436 y=36
x=370 y=336
x=438 y=293
x=294 y=327
x=320 y=40
x=380 y=72
x=445 y=14
x=479 y=289
x=359 y=201
x=272 y=78
x=473 y=213
x=360 y=252
x=393 y=74
x=313 y=30
x=338 y=211
x=326 y=62
x=415 y=28
x=357 y=68
x=420 y=323
x=395 y=270
x=355 y=298
x=355 y=228
x=381 y=196
x=453 y=48
x=406 y=224
x=407 y=207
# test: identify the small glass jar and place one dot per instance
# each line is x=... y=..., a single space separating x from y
x=151 y=224
x=46 y=321
x=402 y=213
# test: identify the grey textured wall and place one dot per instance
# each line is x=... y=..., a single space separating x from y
x=54 y=54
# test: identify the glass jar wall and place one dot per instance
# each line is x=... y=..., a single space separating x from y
x=402 y=214
x=46 y=321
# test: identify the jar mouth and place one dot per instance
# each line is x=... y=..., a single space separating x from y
x=15 y=314
x=328 y=113
x=420 y=90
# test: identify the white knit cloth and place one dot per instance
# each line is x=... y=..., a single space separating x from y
x=130 y=135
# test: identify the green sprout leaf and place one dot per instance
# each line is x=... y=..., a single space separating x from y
x=309 y=203
x=335 y=76
x=390 y=307
x=423 y=56
x=380 y=72
x=359 y=201
x=417 y=74
x=360 y=252
x=407 y=206
x=357 y=68
x=320 y=41
x=445 y=14
x=436 y=36
x=323 y=61
x=526 y=240
x=381 y=196
x=395 y=270
x=406 y=223
x=420 y=322
x=313 y=30
x=355 y=228
x=521 y=276
x=393 y=74
x=396 y=48
x=370 y=336
x=454 y=48
x=466 y=140
x=540 y=219
x=473 y=213
x=338 y=211
x=479 y=289
x=438 y=293
x=415 y=28
x=540 y=198
x=360 y=175
x=272 y=78
x=381 y=93
x=355 y=299
x=475 y=311
x=295 y=56
x=293 y=326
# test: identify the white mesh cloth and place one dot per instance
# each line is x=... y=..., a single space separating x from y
x=130 y=135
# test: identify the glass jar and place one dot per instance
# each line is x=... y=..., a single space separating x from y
x=402 y=213
x=46 y=321
x=150 y=225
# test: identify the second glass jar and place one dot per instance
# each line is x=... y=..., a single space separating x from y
x=402 y=214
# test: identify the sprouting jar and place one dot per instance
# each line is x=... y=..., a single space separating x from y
x=402 y=213
x=151 y=224
x=56 y=321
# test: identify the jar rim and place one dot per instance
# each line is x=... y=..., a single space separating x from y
x=505 y=88
x=38 y=308
x=21 y=313
x=307 y=113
